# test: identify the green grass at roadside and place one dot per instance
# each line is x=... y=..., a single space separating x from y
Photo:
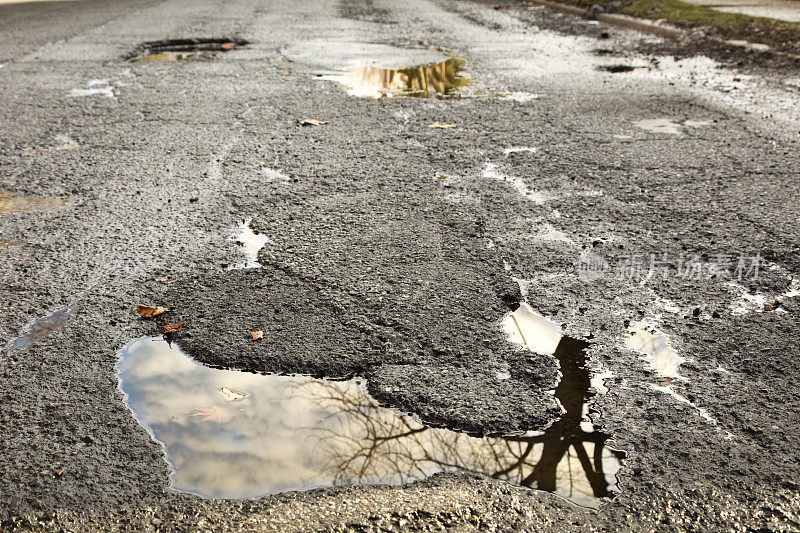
x=776 y=33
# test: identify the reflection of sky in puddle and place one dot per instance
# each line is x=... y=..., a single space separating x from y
x=42 y=327
x=14 y=203
x=294 y=433
x=655 y=348
x=251 y=242
x=439 y=79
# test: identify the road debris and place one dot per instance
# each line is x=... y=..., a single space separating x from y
x=311 y=122
x=149 y=312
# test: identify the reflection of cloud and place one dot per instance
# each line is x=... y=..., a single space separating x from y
x=531 y=330
x=294 y=433
x=654 y=348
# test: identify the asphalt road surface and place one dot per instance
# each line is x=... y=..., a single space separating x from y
x=646 y=205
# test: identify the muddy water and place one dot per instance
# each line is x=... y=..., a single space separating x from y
x=14 y=203
x=441 y=79
x=42 y=327
x=231 y=434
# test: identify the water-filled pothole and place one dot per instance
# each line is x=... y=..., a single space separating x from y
x=442 y=79
x=179 y=49
x=231 y=434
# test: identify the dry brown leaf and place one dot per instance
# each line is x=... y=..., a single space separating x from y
x=437 y=124
x=311 y=122
x=257 y=335
x=227 y=46
x=169 y=329
x=149 y=312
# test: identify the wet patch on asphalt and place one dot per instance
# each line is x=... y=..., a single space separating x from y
x=42 y=327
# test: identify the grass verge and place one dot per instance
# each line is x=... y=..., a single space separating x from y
x=779 y=34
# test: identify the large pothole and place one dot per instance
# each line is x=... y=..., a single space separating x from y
x=231 y=434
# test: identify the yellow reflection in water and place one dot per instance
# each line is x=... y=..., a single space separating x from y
x=441 y=79
x=282 y=433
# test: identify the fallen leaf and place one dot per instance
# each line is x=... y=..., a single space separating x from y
x=737 y=79
x=311 y=122
x=210 y=413
x=771 y=304
x=227 y=46
x=257 y=335
x=437 y=124
x=231 y=394
x=149 y=312
x=169 y=329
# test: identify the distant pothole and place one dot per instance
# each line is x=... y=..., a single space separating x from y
x=179 y=49
x=616 y=69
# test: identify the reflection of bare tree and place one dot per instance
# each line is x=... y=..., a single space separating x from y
x=363 y=442
x=439 y=78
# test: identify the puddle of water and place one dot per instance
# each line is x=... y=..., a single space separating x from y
x=42 y=327
x=536 y=333
x=442 y=79
x=251 y=243
x=14 y=203
x=230 y=434
x=655 y=348
x=490 y=171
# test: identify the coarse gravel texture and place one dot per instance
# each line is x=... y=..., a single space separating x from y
x=394 y=255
